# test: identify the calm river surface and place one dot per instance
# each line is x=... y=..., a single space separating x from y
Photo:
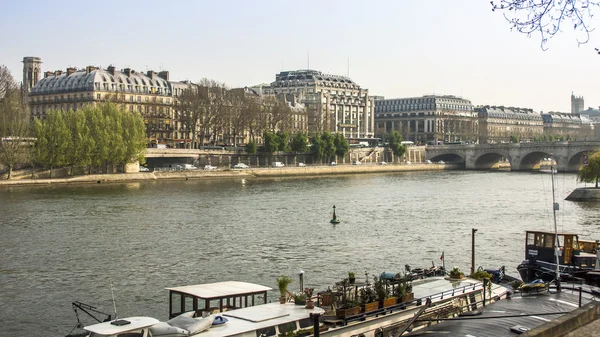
x=68 y=243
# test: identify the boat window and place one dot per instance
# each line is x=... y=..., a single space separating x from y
x=539 y=239
x=270 y=331
x=306 y=322
x=131 y=334
x=286 y=327
x=189 y=303
x=549 y=241
x=175 y=303
x=530 y=239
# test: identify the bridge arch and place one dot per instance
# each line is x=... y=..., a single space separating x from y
x=532 y=160
x=447 y=157
x=491 y=160
x=575 y=161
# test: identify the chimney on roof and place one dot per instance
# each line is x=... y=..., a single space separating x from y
x=89 y=69
x=127 y=71
x=151 y=74
x=70 y=70
x=58 y=72
x=47 y=73
x=111 y=70
x=164 y=75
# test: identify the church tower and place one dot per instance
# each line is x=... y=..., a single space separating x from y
x=577 y=104
x=31 y=72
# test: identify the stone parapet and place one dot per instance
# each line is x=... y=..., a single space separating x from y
x=584 y=194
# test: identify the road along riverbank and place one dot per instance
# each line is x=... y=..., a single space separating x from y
x=231 y=173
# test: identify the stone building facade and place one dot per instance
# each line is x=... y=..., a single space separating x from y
x=150 y=94
x=497 y=124
x=568 y=126
x=429 y=119
x=333 y=103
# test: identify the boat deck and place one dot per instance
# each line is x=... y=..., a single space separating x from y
x=529 y=311
x=258 y=317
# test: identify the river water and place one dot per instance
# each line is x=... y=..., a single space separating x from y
x=70 y=243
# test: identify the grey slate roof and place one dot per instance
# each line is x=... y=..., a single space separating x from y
x=83 y=81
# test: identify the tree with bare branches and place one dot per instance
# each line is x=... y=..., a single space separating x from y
x=14 y=123
x=201 y=102
x=548 y=17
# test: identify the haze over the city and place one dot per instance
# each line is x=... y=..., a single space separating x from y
x=393 y=48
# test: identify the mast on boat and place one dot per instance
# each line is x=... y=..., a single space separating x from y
x=555 y=208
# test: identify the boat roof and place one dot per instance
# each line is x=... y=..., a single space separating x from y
x=108 y=328
x=220 y=289
x=259 y=317
x=550 y=232
x=523 y=308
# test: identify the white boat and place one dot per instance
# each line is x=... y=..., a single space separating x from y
x=243 y=310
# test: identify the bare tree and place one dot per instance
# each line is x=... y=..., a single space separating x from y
x=14 y=126
x=548 y=16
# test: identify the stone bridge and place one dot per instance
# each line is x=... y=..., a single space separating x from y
x=522 y=157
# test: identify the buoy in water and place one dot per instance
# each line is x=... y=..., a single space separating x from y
x=335 y=219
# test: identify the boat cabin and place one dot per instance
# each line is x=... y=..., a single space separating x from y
x=215 y=297
x=125 y=327
x=539 y=246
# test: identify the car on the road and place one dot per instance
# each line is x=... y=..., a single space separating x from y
x=209 y=167
x=333 y=163
x=240 y=166
x=188 y=167
x=441 y=162
x=356 y=162
x=383 y=163
x=144 y=169
x=301 y=165
x=428 y=161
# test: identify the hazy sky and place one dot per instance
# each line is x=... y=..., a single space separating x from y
x=396 y=48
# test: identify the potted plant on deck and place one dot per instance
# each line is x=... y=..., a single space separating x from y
x=310 y=304
x=367 y=297
x=404 y=292
x=282 y=283
x=456 y=273
x=347 y=305
x=300 y=298
x=351 y=277
x=380 y=286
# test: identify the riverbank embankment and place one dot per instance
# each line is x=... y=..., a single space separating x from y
x=230 y=173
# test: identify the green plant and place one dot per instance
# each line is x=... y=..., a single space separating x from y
x=348 y=300
x=483 y=275
x=299 y=297
x=402 y=289
x=380 y=287
x=282 y=283
x=351 y=274
x=456 y=273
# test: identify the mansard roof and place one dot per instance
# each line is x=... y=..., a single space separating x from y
x=84 y=80
x=307 y=76
x=507 y=113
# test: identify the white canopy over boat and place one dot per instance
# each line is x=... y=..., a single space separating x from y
x=220 y=289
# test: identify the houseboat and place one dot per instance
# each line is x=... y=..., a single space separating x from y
x=242 y=309
x=578 y=260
